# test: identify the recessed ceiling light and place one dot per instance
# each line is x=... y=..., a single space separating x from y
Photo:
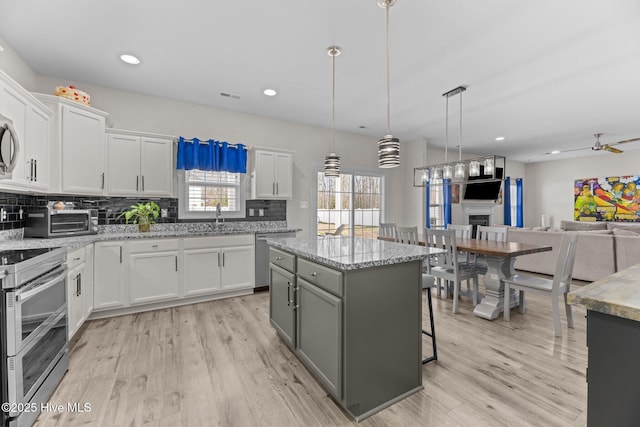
x=270 y=92
x=130 y=59
x=555 y=152
x=500 y=138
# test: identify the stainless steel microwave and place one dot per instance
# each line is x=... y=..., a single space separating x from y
x=48 y=222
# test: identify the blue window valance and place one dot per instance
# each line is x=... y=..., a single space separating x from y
x=211 y=155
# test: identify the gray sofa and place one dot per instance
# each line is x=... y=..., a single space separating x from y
x=603 y=248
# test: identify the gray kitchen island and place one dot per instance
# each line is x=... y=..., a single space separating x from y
x=350 y=309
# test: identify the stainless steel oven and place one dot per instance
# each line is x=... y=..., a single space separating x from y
x=34 y=330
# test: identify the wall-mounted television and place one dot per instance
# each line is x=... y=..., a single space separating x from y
x=488 y=190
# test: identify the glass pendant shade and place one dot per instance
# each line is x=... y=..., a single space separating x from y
x=447 y=171
x=388 y=152
x=332 y=165
x=474 y=168
x=437 y=173
x=488 y=166
x=458 y=171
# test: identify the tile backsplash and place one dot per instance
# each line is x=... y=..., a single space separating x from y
x=109 y=208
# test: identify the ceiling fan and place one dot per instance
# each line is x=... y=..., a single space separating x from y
x=599 y=146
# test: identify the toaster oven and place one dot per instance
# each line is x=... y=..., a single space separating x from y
x=49 y=222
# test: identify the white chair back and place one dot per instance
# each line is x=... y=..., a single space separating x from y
x=442 y=239
x=462 y=231
x=566 y=257
x=494 y=233
x=387 y=229
x=408 y=235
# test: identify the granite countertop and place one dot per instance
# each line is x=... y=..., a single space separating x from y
x=351 y=253
x=158 y=231
x=617 y=295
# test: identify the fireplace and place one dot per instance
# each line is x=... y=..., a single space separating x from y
x=477 y=220
x=478 y=214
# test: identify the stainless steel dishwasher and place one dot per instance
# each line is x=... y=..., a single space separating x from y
x=262 y=256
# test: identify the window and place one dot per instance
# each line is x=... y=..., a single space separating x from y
x=436 y=202
x=201 y=191
x=352 y=201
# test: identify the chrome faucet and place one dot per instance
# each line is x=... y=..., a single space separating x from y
x=218 y=212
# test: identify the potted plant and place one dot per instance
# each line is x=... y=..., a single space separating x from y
x=143 y=214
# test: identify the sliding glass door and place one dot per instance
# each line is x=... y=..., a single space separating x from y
x=349 y=205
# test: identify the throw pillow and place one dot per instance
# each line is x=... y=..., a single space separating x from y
x=582 y=226
x=624 y=232
x=635 y=227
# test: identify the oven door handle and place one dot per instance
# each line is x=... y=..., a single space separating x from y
x=36 y=290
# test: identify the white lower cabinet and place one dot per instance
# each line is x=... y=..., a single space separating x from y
x=236 y=273
x=79 y=287
x=109 y=279
x=153 y=271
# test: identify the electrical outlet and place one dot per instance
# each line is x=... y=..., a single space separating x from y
x=251 y=212
x=261 y=212
x=3 y=214
x=164 y=213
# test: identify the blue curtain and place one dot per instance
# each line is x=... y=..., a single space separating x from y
x=446 y=195
x=506 y=200
x=213 y=156
x=427 y=198
x=519 y=210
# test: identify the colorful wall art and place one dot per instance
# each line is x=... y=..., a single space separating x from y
x=614 y=198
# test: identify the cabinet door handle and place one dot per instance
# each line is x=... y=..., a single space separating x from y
x=154 y=246
x=30 y=164
x=176 y=262
x=102 y=185
x=277 y=188
x=79 y=284
x=223 y=259
x=120 y=254
x=219 y=259
x=137 y=182
x=314 y=274
x=35 y=169
x=288 y=293
x=273 y=188
x=142 y=182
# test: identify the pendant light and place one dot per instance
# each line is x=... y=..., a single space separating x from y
x=447 y=169
x=488 y=166
x=388 y=146
x=459 y=172
x=332 y=161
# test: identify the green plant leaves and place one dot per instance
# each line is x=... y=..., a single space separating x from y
x=142 y=212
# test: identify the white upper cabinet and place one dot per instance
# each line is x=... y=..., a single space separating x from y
x=79 y=137
x=271 y=174
x=31 y=121
x=139 y=164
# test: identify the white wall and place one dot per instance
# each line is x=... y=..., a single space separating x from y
x=549 y=185
x=12 y=64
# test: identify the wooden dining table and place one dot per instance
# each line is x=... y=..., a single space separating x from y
x=500 y=258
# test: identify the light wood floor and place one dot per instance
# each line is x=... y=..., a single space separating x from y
x=221 y=364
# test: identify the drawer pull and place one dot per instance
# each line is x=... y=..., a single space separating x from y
x=314 y=274
x=77 y=259
x=279 y=258
x=154 y=246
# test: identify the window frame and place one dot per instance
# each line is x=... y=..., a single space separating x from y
x=183 y=200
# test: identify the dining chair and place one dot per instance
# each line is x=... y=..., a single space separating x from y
x=496 y=233
x=407 y=235
x=445 y=266
x=462 y=232
x=555 y=287
x=387 y=229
